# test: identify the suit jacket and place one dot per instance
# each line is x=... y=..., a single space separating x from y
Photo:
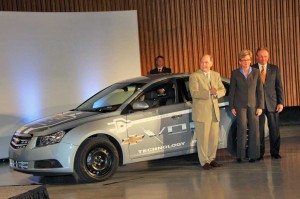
x=203 y=103
x=164 y=70
x=244 y=92
x=272 y=88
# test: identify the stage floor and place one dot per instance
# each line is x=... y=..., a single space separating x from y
x=181 y=177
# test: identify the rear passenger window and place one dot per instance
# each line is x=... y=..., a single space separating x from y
x=186 y=81
x=183 y=85
x=227 y=86
x=160 y=94
x=187 y=92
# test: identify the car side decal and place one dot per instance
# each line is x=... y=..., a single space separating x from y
x=222 y=104
x=160 y=148
x=48 y=122
x=121 y=124
x=133 y=139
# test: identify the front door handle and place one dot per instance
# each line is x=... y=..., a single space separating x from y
x=176 y=116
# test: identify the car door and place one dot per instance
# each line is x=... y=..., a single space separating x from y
x=226 y=118
x=183 y=84
x=162 y=128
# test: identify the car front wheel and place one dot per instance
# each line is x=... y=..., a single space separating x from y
x=232 y=140
x=96 y=160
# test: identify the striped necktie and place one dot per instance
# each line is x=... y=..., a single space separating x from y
x=263 y=74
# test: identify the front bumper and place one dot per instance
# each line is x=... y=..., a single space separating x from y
x=57 y=158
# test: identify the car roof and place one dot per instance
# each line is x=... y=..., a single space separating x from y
x=154 y=78
x=162 y=76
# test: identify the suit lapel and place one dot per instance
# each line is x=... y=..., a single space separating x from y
x=250 y=77
x=204 y=78
x=242 y=76
x=269 y=71
x=255 y=66
x=162 y=70
x=212 y=79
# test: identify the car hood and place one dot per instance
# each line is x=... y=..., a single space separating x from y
x=52 y=121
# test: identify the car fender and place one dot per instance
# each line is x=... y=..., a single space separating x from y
x=79 y=134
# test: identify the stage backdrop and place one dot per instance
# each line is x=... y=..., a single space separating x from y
x=52 y=62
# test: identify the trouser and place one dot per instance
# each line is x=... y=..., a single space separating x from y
x=246 y=118
x=274 y=133
x=207 y=140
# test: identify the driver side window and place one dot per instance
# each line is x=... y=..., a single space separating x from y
x=161 y=94
x=117 y=96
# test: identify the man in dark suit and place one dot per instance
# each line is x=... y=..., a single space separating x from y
x=246 y=101
x=273 y=93
x=160 y=66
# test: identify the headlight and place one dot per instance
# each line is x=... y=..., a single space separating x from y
x=50 y=139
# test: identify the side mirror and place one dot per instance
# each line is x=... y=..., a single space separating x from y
x=140 y=105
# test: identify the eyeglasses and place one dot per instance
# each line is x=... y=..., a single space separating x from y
x=245 y=60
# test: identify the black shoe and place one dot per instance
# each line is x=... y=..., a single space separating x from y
x=260 y=158
x=277 y=156
x=239 y=160
x=215 y=164
x=252 y=160
x=206 y=166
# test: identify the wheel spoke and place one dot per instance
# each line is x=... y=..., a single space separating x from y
x=99 y=161
x=96 y=160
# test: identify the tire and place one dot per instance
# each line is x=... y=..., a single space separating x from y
x=96 y=160
x=231 y=140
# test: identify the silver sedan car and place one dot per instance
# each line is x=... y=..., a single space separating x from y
x=139 y=119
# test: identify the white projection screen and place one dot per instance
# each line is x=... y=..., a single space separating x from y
x=52 y=62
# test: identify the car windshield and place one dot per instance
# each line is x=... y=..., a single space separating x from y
x=111 y=98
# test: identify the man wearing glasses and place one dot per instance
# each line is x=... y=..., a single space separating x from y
x=246 y=101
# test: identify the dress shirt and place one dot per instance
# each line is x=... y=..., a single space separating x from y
x=260 y=67
x=242 y=71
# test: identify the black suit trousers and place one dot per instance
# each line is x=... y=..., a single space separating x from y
x=247 y=119
x=274 y=133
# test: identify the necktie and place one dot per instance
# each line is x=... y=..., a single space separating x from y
x=207 y=76
x=263 y=74
x=159 y=70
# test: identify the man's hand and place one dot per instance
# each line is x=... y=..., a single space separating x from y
x=213 y=91
x=258 y=111
x=233 y=112
x=161 y=91
x=279 y=108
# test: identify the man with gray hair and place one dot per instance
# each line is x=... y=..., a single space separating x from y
x=270 y=75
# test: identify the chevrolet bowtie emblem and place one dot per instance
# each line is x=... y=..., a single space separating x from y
x=133 y=139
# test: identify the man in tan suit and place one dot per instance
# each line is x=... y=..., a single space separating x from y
x=206 y=87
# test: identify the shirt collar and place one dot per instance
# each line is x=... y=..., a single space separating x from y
x=242 y=71
x=207 y=74
x=260 y=66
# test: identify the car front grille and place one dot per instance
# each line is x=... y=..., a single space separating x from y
x=20 y=141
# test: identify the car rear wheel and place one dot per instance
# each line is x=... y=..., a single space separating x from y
x=96 y=160
x=231 y=140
